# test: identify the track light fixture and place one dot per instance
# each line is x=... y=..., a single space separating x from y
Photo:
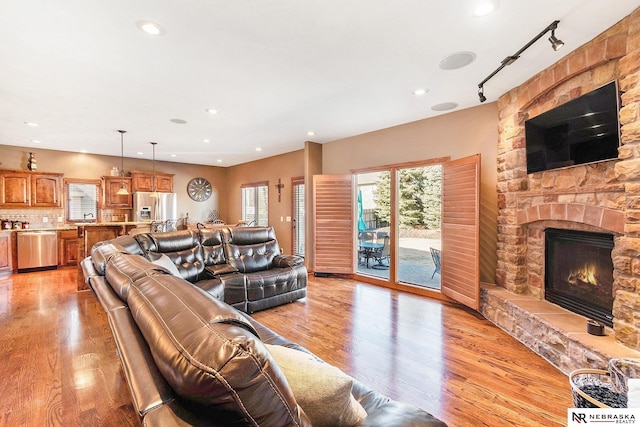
x=481 y=94
x=555 y=44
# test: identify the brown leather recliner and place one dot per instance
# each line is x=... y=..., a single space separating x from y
x=247 y=261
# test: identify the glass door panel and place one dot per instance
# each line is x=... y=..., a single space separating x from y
x=419 y=214
x=373 y=219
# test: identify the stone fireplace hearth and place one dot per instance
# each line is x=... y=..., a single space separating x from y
x=601 y=197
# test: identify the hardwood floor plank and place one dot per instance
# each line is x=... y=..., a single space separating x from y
x=442 y=357
x=60 y=367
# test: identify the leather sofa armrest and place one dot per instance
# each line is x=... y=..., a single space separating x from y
x=287 y=260
x=220 y=269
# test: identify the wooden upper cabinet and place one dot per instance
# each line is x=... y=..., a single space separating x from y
x=46 y=190
x=143 y=181
x=15 y=189
x=30 y=189
x=110 y=187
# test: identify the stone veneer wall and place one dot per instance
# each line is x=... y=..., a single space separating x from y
x=597 y=197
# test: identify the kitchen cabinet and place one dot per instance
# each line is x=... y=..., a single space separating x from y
x=67 y=248
x=6 y=262
x=112 y=200
x=143 y=181
x=46 y=190
x=20 y=189
x=15 y=189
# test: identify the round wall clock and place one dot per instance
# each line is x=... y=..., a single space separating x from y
x=199 y=189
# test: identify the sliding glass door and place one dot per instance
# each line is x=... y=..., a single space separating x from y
x=373 y=223
x=418 y=225
x=398 y=224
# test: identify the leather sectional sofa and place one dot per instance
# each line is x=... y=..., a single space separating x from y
x=244 y=265
x=191 y=359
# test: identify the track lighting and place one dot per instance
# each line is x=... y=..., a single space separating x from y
x=481 y=94
x=555 y=44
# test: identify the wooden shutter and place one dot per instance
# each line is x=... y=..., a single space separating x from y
x=461 y=231
x=333 y=232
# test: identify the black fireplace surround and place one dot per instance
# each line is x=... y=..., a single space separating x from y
x=579 y=272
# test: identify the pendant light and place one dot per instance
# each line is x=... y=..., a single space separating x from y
x=123 y=189
x=154 y=192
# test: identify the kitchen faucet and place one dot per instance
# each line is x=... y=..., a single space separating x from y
x=86 y=215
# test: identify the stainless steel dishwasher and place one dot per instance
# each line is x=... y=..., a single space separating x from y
x=37 y=249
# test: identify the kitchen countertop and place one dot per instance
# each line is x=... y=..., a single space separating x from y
x=64 y=227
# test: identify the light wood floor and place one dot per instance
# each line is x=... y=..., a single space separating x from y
x=59 y=365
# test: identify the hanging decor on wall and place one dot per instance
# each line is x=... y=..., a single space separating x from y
x=279 y=186
x=31 y=163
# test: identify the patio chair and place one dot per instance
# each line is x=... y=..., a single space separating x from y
x=435 y=255
x=382 y=253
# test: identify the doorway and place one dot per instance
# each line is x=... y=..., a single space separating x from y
x=399 y=224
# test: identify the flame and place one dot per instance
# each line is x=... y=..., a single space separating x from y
x=585 y=274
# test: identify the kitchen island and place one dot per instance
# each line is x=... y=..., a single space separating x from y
x=91 y=233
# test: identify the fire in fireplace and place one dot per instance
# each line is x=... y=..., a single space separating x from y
x=579 y=272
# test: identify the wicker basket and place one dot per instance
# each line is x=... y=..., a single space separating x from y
x=583 y=377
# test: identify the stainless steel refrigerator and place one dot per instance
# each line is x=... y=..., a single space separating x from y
x=161 y=208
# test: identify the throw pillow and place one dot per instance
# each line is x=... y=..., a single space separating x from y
x=165 y=262
x=322 y=391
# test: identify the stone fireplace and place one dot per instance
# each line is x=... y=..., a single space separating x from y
x=600 y=198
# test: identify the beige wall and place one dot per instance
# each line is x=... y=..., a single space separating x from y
x=285 y=167
x=91 y=166
x=456 y=135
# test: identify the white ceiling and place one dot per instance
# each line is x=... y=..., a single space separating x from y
x=274 y=69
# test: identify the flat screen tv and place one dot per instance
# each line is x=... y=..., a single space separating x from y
x=584 y=130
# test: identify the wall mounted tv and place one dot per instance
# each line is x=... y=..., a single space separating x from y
x=583 y=130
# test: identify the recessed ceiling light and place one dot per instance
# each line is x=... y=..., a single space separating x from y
x=178 y=121
x=36 y=141
x=421 y=91
x=258 y=149
x=219 y=160
x=311 y=133
x=150 y=27
x=84 y=151
x=206 y=140
x=444 y=106
x=174 y=155
x=484 y=7
x=211 y=111
x=140 y=153
x=32 y=124
x=456 y=60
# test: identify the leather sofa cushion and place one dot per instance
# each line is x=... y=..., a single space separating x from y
x=101 y=253
x=125 y=269
x=210 y=354
x=251 y=249
x=182 y=247
x=212 y=248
